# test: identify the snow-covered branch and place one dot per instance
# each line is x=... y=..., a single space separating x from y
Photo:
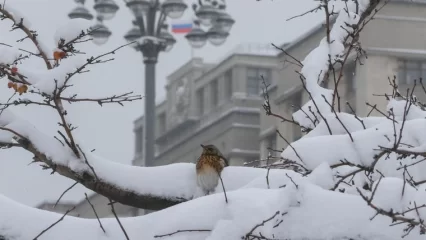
x=306 y=212
x=346 y=171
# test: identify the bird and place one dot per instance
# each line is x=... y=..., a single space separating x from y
x=209 y=167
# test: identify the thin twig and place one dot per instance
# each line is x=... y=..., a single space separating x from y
x=110 y=201
x=289 y=144
x=66 y=190
x=181 y=231
x=94 y=211
x=249 y=234
x=338 y=119
x=53 y=224
x=291 y=179
x=223 y=187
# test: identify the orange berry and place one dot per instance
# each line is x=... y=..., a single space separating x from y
x=14 y=70
x=15 y=86
x=10 y=84
x=57 y=55
x=24 y=88
x=21 y=89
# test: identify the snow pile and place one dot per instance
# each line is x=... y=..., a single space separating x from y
x=72 y=30
x=49 y=80
x=296 y=205
x=8 y=55
x=300 y=210
x=338 y=196
x=16 y=15
x=315 y=64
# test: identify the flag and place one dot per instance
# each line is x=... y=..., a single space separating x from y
x=181 y=27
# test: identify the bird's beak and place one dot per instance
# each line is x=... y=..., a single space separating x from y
x=202 y=146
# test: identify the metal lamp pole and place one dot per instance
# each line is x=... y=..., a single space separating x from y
x=150 y=32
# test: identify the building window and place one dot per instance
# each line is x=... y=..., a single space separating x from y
x=214 y=92
x=410 y=70
x=254 y=79
x=138 y=141
x=162 y=123
x=200 y=101
x=228 y=84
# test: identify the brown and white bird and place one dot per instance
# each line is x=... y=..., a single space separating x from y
x=209 y=167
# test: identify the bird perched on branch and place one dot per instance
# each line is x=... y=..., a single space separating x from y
x=209 y=167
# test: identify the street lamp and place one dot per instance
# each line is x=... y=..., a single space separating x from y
x=105 y=9
x=100 y=33
x=149 y=35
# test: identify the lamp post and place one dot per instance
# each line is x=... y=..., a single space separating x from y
x=151 y=36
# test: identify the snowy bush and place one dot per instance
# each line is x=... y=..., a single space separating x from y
x=370 y=185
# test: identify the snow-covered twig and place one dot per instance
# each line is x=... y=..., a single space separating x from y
x=396 y=217
x=252 y=235
x=32 y=35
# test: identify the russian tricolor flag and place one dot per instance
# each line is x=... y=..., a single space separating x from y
x=181 y=27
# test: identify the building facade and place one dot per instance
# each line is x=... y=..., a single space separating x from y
x=395 y=44
x=211 y=104
x=221 y=103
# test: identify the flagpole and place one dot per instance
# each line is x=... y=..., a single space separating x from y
x=184 y=27
x=192 y=52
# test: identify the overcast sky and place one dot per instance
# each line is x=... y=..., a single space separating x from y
x=109 y=129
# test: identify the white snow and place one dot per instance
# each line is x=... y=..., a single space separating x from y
x=16 y=14
x=302 y=207
x=71 y=30
x=316 y=63
x=49 y=80
x=304 y=200
x=8 y=54
x=305 y=212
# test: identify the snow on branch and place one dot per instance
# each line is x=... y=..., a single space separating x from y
x=309 y=212
x=318 y=63
x=349 y=177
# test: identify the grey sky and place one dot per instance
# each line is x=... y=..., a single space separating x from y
x=109 y=129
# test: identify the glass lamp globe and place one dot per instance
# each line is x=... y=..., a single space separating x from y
x=80 y=12
x=138 y=7
x=100 y=33
x=224 y=21
x=174 y=8
x=216 y=35
x=106 y=9
x=132 y=35
x=207 y=14
x=197 y=37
